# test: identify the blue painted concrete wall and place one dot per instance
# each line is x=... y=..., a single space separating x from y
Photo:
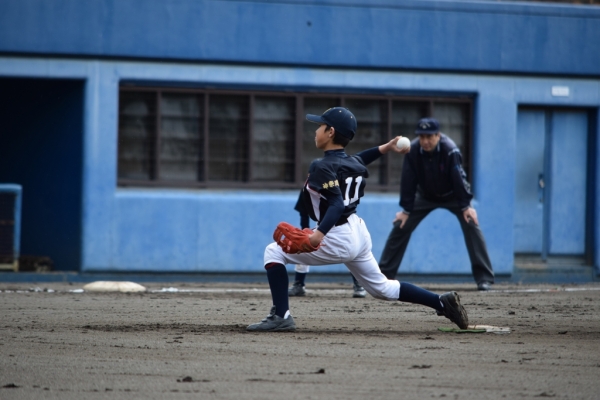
x=410 y=34
x=172 y=230
x=503 y=54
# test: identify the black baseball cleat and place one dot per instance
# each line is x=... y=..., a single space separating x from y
x=358 y=291
x=453 y=310
x=274 y=323
x=296 y=290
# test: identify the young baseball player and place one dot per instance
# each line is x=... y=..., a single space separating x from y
x=332 y=193
x=297 y=289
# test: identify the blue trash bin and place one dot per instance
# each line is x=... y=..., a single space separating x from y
x=10 y=226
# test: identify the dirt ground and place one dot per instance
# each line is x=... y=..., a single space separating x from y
x=180 y=341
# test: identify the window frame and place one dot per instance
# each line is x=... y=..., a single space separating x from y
x=299 y=175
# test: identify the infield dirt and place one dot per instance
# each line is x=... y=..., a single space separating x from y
x=188 y=341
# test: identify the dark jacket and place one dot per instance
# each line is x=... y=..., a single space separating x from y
x=438 y=176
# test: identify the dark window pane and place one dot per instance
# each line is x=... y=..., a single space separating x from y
x=273 y=133
x=371 y=116
x=405 y=116
x=454 y=122
x=228 y=138
x=180 y=137
x=317 y=106
x=137 y=130
x=181 y=140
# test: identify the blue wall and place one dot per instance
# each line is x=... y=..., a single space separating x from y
x=423 y=35
x=504 y=55
x=192 y=230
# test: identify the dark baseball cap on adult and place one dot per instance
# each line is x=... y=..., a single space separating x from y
x=340 y=118
x=427 y=126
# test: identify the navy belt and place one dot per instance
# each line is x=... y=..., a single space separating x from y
x=341 y=221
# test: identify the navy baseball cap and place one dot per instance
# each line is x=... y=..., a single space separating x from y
x=340 y=118
x=427 y=126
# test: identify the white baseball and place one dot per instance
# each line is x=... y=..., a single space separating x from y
x=403 y=143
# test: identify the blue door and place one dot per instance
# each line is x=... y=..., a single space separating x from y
x=551 y=178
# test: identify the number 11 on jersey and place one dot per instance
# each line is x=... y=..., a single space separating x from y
x=350 y=181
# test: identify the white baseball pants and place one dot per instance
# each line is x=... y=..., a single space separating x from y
x=302 y=268
x=348 y=244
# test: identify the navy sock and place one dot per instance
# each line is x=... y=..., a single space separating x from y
x=278 y=282
x=354 y=280
x=414 y=294
x=300 y=276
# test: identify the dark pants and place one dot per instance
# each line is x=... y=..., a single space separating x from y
x=397 y=241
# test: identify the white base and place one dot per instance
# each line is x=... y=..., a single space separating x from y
x=109 y=286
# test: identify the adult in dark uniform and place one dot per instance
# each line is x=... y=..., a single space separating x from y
x=433 y=177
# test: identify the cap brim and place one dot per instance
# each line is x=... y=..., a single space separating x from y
x=317 y=119
x=425 y=132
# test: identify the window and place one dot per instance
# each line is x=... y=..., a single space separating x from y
x=405 y=115
x=137 y=118
x=217 y=138
x=181 y=141
x=371 y=115
x=228 y=138
x=273 y=135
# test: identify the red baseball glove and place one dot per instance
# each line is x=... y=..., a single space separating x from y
x=293 y=240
